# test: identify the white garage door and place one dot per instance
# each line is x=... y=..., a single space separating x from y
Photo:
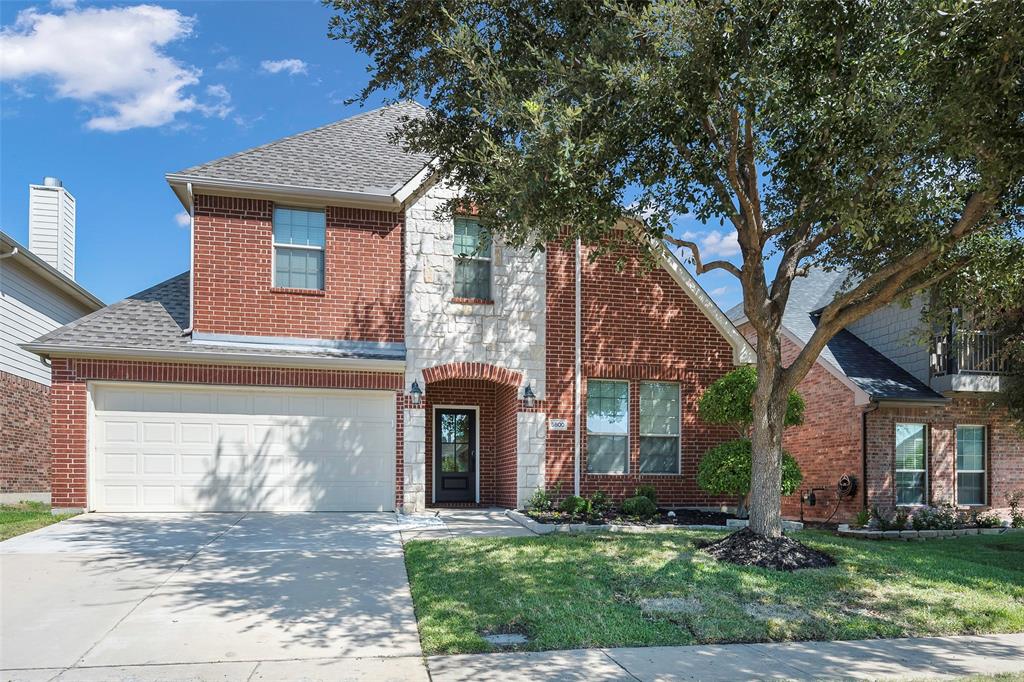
x=224 y=449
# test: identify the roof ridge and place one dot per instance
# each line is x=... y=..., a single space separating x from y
x=300 y=133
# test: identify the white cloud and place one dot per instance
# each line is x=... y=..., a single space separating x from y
x=183 y=219
x=290 y=66
x=219 y=104
x=110 y=58
x=63 y=4
x=714 y=244
x=720 y=291
x=231 y=63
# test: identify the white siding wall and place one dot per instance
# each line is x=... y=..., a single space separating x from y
x=29 y=307
x=895 y=332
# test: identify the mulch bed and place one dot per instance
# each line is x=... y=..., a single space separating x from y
x=683 y=517
x=747 y=548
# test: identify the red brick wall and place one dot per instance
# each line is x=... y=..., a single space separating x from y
x=827 y=445
x=363 y=285
x=69 y=403
x=25 y=438
x=637 y=324
x=506 y=403
x=1005 y=449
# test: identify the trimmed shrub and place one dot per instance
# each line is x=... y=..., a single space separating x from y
x=600 y=502
x=647 y=490
x=730 y=401
x=639 y=506
x=574 y=505
x=725 y=470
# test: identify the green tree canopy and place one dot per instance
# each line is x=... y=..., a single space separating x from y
x=876 y=136
x=730 y=401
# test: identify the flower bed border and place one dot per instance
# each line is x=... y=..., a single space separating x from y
x=868 y=534
x=545 y=528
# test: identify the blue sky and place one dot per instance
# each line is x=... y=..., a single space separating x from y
x=110 y=97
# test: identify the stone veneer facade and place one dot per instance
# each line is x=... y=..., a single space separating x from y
x=507 y=333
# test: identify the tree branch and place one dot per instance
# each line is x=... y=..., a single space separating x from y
x=701 y=266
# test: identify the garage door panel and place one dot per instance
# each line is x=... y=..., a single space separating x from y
x=250 y=450
x=121 y=432
x=115 y=463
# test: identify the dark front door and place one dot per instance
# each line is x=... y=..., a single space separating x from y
x=455 y=455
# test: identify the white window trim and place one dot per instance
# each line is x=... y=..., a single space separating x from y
x=678 y=435
x=489 y=258
x=603 y=433
x=983 y=471
x=927 y=452
x=274 y=245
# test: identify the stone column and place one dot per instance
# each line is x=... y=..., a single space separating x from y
x=415 y=448
x=530 y=441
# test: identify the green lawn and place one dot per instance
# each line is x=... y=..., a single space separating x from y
x=574 y=591
x=23 y=517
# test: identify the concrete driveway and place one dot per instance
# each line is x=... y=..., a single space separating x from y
x=208 y=596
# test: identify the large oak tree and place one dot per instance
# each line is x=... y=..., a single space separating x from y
x=883 y=137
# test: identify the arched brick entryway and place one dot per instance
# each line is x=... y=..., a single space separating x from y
x=493 y=393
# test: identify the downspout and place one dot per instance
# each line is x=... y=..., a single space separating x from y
x=577 y=372
x=191 y=260
x=864 y=452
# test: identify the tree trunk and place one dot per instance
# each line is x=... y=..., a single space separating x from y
x=766 y=439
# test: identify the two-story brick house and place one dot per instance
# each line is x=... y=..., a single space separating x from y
x=336 y=345
x=913 y=419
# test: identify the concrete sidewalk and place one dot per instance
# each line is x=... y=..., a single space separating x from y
x=907 y=659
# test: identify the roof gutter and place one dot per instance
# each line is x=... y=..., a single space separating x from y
x=261 y=359
x=179 y=183
x=48 y=272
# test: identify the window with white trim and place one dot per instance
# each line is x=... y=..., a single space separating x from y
x=607 y=426
x=472 y=260
x=299 y=238
x=911 y=463
x=970 y=465
x=659 y=427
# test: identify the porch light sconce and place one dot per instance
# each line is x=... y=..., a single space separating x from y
x=416 y=394
x=528 y=397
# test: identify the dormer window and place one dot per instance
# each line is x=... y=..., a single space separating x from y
x=472 y=260
x=299 y=238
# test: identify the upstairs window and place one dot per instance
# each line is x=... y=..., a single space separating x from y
x=659 y=427
x=472 y=260
x=911 y=458
x=607 y=427
x=970 y=465
x=299 y=238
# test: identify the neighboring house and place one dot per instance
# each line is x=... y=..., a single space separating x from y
x=337 y=346
x=914 y=422
x=38 y=294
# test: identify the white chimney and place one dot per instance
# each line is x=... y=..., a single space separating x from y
x=51 y=225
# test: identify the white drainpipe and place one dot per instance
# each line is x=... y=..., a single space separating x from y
x=191 y=260
x=578 y=371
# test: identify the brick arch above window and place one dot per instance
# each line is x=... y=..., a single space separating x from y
x=473 y=370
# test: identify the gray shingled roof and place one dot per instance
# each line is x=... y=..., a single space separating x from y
x=872 y=372
x=351 y=155
x=154 y=320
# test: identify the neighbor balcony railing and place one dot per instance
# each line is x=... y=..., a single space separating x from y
x=968 y=352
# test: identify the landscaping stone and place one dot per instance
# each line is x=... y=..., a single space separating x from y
x=505 y=640
x=891 y=534
x=990 y=531
x=672 y=606
x=928 y=533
